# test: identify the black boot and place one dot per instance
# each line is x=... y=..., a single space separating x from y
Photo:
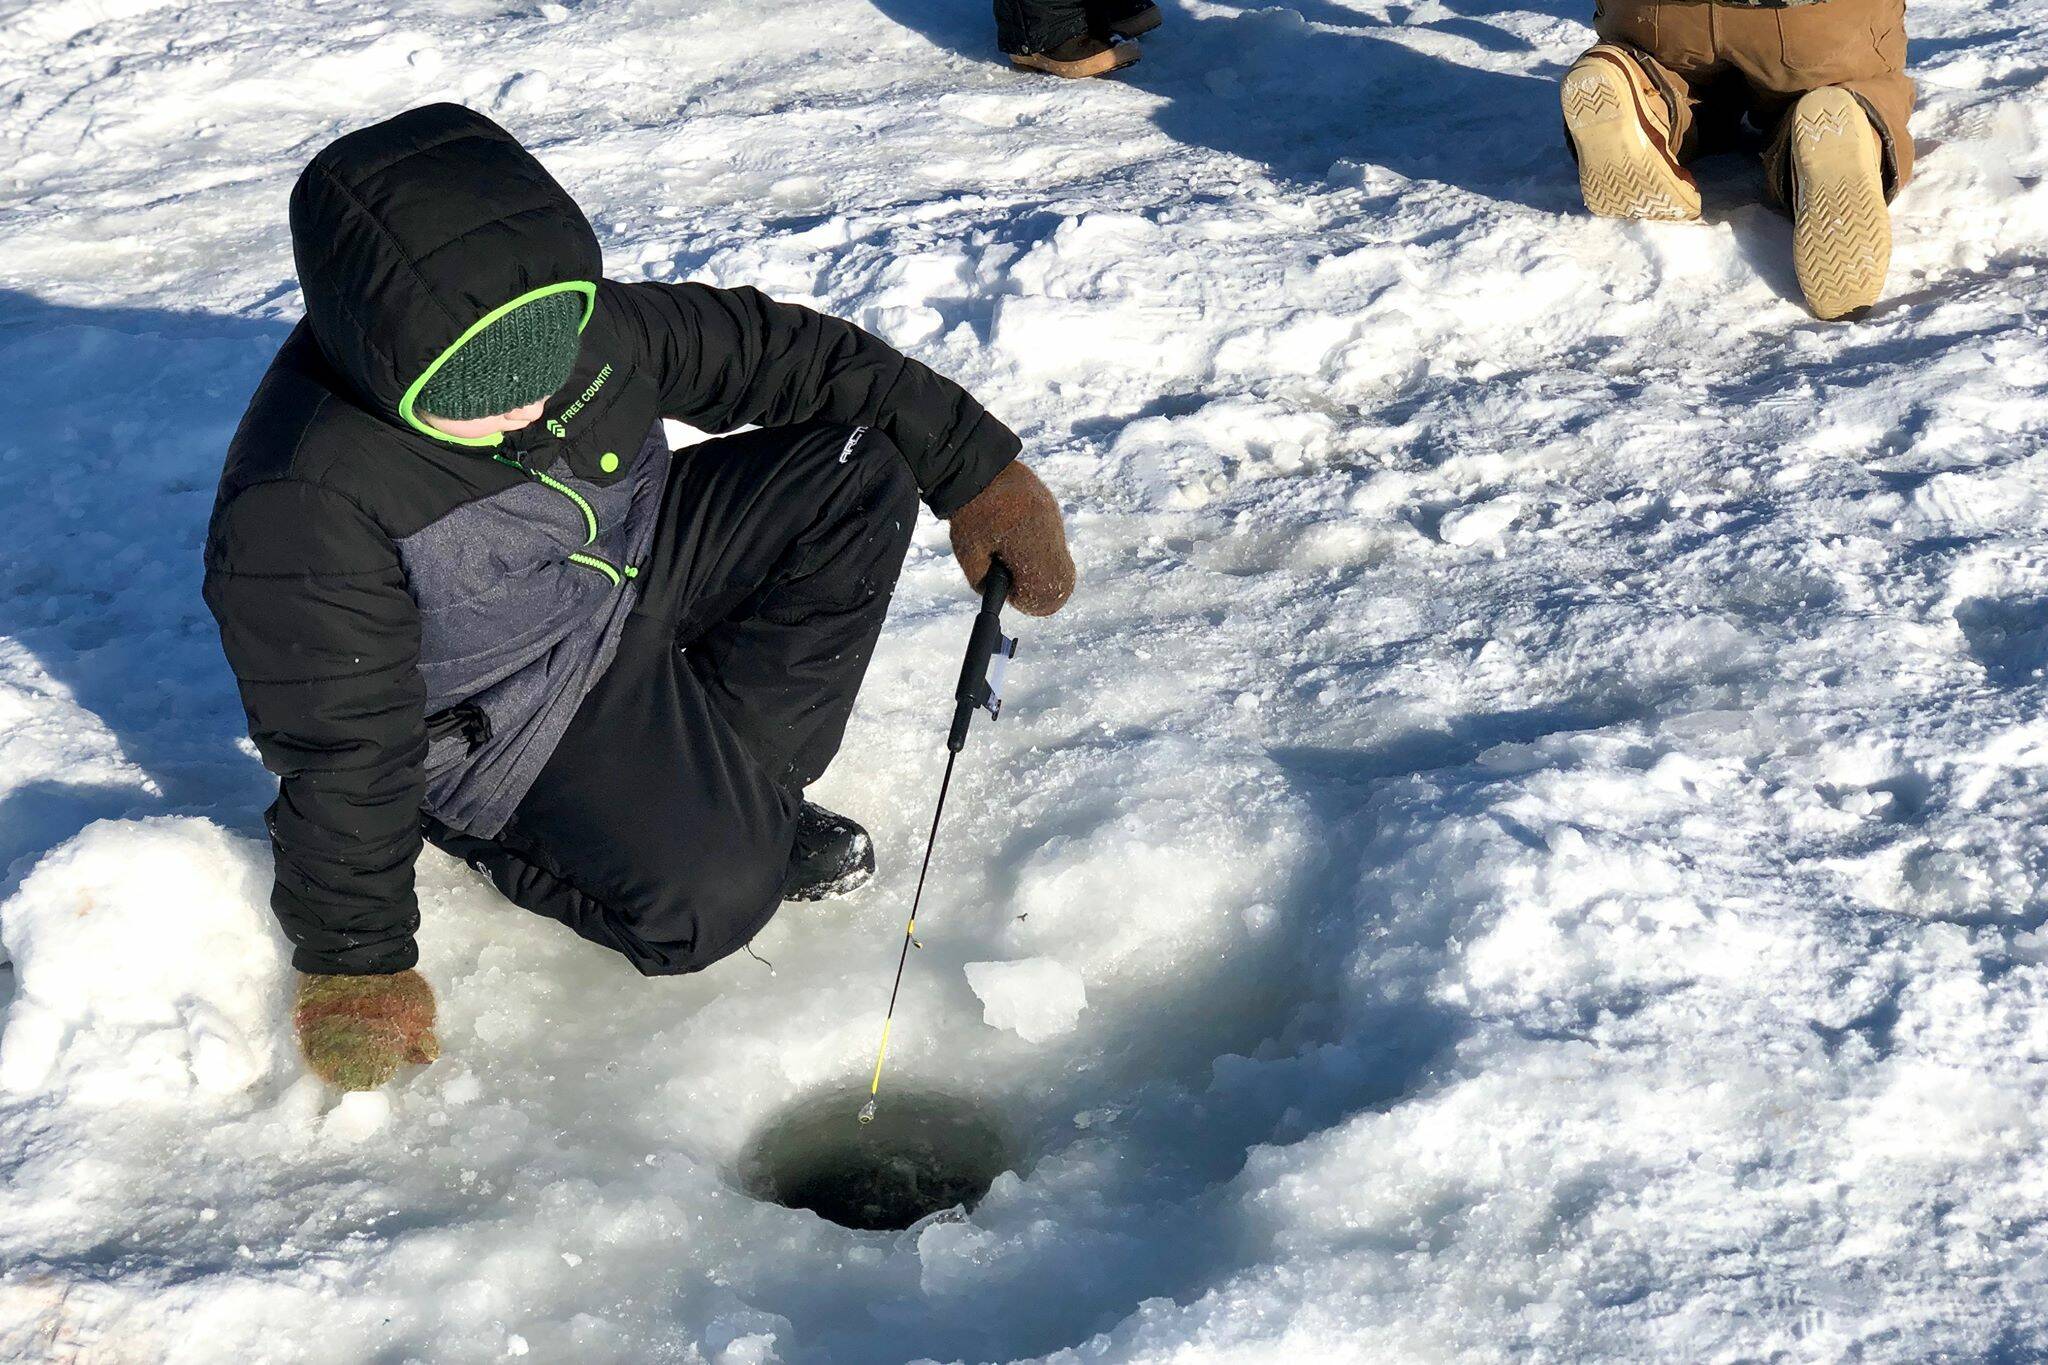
x=1079 y=58
x=1123 y=18
x=832 y=857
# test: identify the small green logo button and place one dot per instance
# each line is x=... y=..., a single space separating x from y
x=610 y=463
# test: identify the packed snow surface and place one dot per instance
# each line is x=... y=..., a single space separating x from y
x=1543 y=784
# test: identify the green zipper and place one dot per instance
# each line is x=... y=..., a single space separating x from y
x=603 y=566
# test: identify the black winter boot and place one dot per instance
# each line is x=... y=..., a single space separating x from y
x=1123 y=18
x=1078 y=58
x=832 y=857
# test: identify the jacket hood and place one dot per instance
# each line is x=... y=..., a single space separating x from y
x=413 y=234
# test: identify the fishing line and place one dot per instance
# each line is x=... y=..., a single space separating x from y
x=980 y=689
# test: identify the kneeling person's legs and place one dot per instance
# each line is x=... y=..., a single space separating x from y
x=1832 y=79
x=1855 y=46
x=652 y=830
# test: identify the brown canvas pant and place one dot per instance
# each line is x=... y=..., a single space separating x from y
x=1716 y=63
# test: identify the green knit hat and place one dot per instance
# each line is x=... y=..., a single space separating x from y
x=521 y=358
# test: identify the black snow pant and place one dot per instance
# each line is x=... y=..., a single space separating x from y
x=661 y=827
x=1041 y=25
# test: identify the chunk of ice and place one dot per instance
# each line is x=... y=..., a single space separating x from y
x=1035 y=998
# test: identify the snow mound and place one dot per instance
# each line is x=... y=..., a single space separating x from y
x=147 y=963
x=1036 y=998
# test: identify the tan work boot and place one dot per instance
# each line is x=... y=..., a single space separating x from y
x=1841 y=225
x=1078 y=58
x=1621 y=129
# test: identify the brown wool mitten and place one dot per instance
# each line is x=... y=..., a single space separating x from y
x=1016 y=518
x=356 y=1031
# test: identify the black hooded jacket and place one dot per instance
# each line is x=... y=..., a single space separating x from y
x=357 y=559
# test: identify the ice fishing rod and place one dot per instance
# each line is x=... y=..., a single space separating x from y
x=989 y=652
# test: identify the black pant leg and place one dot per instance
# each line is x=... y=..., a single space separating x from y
x=652 y=830
x=1103 y=13
x=661 y=825
x=1038 y=25
x=778 y=554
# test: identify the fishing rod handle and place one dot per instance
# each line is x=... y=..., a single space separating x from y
x=973 y=690
x=995 y=588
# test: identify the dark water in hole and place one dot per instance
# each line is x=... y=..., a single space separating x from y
x=924 y=1153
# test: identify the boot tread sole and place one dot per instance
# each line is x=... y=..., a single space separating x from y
x=1623 y=172
x=1101 y=64
x=1842 y=230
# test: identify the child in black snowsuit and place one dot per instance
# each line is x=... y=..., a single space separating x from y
x=470 y=595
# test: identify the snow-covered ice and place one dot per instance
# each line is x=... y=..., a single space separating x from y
x=1036 y=998
x=1544 y=780
x=1479 y=523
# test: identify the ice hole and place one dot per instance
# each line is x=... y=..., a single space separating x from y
x=924 y=1153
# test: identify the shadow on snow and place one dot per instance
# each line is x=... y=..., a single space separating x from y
x=119 y=418
x=1298 y=88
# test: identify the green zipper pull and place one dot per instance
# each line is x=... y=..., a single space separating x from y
x=601 y=565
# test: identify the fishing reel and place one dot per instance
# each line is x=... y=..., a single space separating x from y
x=989 y=652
